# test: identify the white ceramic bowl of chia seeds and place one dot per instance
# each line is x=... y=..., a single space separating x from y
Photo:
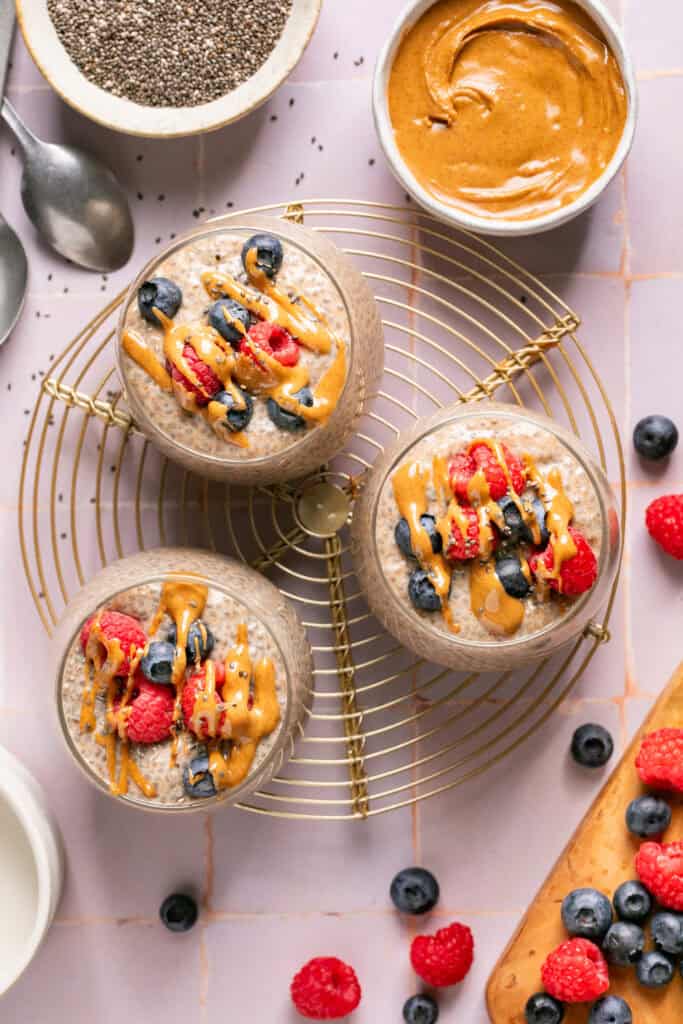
x=169 y=69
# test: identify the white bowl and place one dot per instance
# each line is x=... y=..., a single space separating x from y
x=31 y=868
x=162 y=122
x=482 y=225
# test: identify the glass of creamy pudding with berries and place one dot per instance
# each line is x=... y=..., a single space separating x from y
x=182 y=677
x=486 y=537
x=247 y=351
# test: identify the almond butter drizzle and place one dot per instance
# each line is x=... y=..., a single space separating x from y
x=559 y=514
x=491 y=603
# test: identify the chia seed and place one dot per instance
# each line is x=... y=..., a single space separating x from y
x=165 y=53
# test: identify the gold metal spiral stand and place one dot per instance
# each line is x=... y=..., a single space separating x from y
x=462 y=322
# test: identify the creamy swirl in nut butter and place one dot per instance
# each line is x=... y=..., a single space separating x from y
x=506 y=109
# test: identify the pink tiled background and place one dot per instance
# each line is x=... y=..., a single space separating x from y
x=276 y=892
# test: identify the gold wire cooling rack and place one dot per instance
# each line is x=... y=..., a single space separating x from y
x=462 y=321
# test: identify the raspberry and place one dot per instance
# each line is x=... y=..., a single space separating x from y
x=660 y=759
x=660 y=869
x=190 y=694
x=461 y=469
x=575 y=972
x=274 y=340
x=463 y=537
x=578 y=573
x=115 y=626
x=151 y=713
x=444 y=958
x=210 y=385
x=496 y=477
x=325 y=989
x=664 y=521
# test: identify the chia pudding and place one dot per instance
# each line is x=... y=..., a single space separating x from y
x=174 y=693
x=487 y=531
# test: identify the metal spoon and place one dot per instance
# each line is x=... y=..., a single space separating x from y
x=74 y=201
x=13 y=266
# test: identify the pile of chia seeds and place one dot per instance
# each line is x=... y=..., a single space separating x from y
x=169 y=53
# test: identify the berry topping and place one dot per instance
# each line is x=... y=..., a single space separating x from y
x=592 y=746
x=654 y=970
x=623 y=943
x=463 y=537
x=664 y=521
x=118 y=634
x=667 y=933
x=151 y=713
x=274 y=340
x=222 y=315
x=660 y=759
x=420 y=1010
x=269 y=253
x=285 y=420
x=577 y=574
x=414 y=891
x=610 y=1010
x=236 y=419
x=543 y=1009
x=443 y=958
x=199 y=641
x=325 y=989
x=587 y=914
x=461 y=469
x=157 y=664
x=648 y=816
x=496 y=475
x=655 y=437
x=516 y=530
x=179 y=912
x=210 y=384
x=422 y=593
x=575 y=972
x=197 y=779
x=402 y=535
x=510 y=572
x=161 y=294
x=660 y=867
x=632 y=902
x=196 y=682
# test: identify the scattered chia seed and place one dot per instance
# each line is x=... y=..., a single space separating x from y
x=169 y=53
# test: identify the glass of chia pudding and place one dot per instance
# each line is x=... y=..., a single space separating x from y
x=247 y=351
x=486 y=537
x=182 y=677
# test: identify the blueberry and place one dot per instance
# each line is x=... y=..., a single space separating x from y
x=592 y=746
x=587 y=914
x=516 y=529
x=420 y=1010
x=610 y=1010
x=422 y=593
x=161 y=293
x=543 y=1009
x=157 y=664
x=179 y=912
x=667 y=933
x=538 y=508
x=648 y=816
x=402 y=535
x=414 y=891
x=655 y=437
x=199 y=641
x=623 y=943
x=509 y=572
x=632 y=902
x=197 y=779
x=269 y=253
x=285 y=420
x=234 y=311
x=236 y=419
x=654 y=970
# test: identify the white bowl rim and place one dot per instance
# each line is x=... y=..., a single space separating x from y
x=16 y=792
x=501 y=227
x=123 y=115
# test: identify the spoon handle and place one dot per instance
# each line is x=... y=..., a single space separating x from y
x=6 y=36
x=23 y=135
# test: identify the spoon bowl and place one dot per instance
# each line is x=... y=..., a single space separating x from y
x=13 y=279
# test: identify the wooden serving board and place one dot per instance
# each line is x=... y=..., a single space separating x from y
x=600 y=854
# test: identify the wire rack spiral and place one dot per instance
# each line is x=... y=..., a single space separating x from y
x=462 y=322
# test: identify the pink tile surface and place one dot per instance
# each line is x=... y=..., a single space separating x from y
x=276 y=892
